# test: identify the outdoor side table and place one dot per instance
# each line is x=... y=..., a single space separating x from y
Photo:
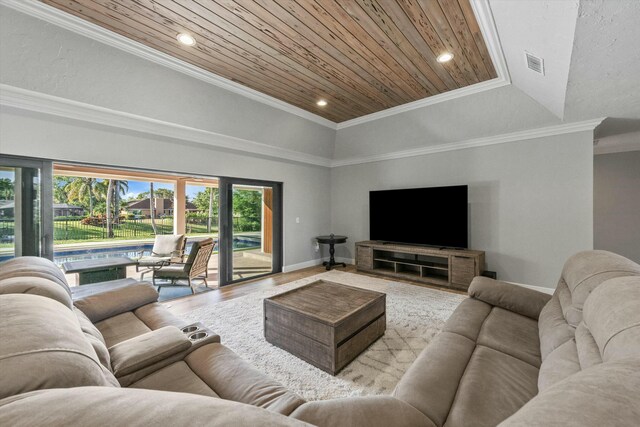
x=99 y=270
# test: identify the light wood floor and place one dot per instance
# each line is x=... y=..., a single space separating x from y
x=192 y=302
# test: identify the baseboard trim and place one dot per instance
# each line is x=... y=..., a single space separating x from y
x=542 y=289
x=301 y=265
x=346 y=260
x=313 y=263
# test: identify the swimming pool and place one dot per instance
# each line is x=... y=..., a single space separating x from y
x=133 y=251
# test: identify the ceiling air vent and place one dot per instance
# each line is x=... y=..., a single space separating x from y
x=535 y=63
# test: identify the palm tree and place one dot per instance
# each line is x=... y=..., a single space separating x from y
x=6 y=189
x=152 y=209
x=115 y=189
x=210 y=210
x=109 y=213
x=81 y=188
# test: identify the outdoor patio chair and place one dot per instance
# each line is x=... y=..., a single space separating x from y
x=166 y=249
x=195 y=267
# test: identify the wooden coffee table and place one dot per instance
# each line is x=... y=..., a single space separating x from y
x=325 y=324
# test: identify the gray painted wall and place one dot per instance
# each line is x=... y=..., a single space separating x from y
x=616 y=203
x=530 y=202
x=48 y=59
x=305 y=187
x=494 y=112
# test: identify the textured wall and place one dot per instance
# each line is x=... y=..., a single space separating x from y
x=616 y=202
x=530 y=202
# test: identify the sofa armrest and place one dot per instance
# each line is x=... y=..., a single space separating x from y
x=374 y=411
x=102 y=305
x=511 y=297
x=147 y=349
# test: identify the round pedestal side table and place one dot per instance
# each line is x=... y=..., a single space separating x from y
x=332 y=240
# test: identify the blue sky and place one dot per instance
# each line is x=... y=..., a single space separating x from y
x=135 y=187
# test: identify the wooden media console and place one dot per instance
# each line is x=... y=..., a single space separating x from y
x=452 y=268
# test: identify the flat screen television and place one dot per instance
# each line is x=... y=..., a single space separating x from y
x=435 y=216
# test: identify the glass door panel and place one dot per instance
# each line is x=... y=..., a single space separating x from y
x=26 y=208
x=251 y=229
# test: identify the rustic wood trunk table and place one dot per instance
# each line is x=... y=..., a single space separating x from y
x=325 y=324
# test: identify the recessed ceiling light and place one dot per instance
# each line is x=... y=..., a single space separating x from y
x=186 y=39
x=321 y=103
x=445 y=57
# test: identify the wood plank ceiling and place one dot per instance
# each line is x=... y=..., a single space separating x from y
x=361 y=56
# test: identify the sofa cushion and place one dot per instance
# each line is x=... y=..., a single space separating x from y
x=176 y=377
x=33 y=275
x=467 y=319
x=373 y=411
x=553 y=328
x=110 y=303
x=36 y=286
x=31 y=266
x=585 y=271
x=494 y=386
x=101 y=406
x=234 y=379
x=588 y=351
x=43 y=347
x=147 y=349
x=121 y=327
x=431 y=382
x=612 y=315
x=447 y=383
x=560 y=364
x=508 y=296
x=512 y=334
x=156 y=316
x=94 y=336
x=604 y=395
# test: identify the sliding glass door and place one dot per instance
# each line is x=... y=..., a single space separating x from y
x=26 y=214
x=251 y=229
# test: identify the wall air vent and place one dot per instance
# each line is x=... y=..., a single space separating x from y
x=534 y=63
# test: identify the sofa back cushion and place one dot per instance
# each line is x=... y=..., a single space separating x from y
x=567 y=343
x=33 y=275
x=612 y=316
x=609 y=331
x=604 y=395
x=43 y=347
x=108 y=406
x=95 y=338
x=584 y=272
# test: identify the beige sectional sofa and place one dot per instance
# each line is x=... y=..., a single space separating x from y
x=508 y=355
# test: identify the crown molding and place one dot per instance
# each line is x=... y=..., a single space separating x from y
x=588 y=125
x=482 y=10
x=85 y=28
x=28 y=100
x=77 y=25
x=617 y=144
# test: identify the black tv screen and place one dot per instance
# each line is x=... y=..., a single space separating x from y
x=435 y=216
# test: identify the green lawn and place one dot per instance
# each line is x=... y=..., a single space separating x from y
x=73 y=231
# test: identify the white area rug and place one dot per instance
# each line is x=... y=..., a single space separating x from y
x=414 y=316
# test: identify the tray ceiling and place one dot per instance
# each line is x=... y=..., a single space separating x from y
x=361 y=56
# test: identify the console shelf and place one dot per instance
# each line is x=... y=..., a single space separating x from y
x=445 y=267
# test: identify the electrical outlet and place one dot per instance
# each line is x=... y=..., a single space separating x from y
x=297 y=220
